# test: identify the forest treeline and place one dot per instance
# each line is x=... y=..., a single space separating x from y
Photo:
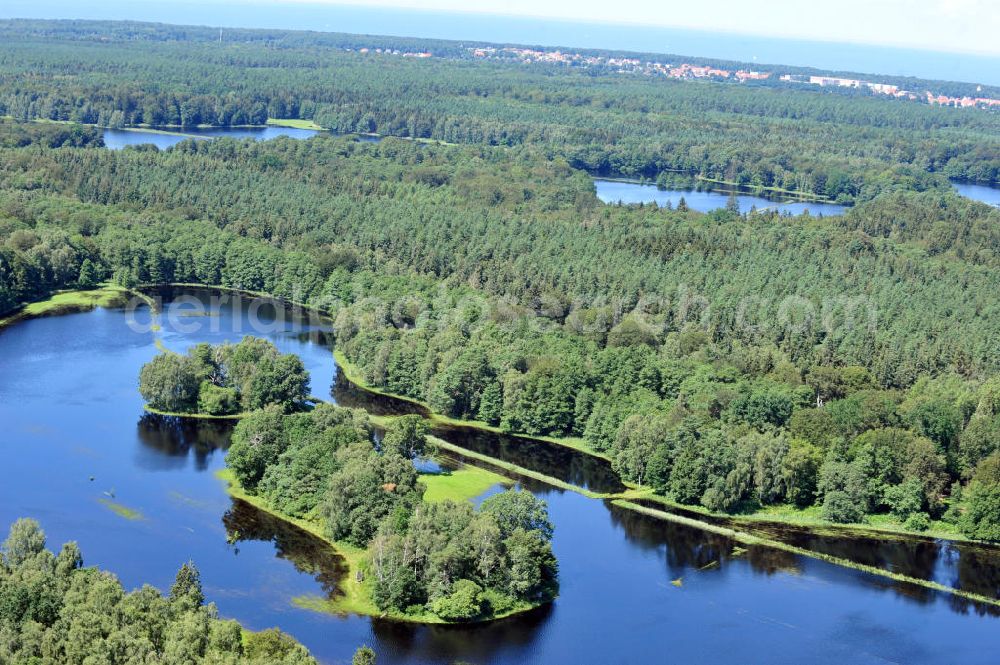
x=842 y=148
x=53 y=610
x=734 y=360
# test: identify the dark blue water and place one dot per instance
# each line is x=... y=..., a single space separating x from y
x=69 y=411
x=615 y=191
x=518 y=30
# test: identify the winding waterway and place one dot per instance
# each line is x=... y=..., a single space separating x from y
x=633 y=589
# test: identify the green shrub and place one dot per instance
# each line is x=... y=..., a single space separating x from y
x=464 y=603
x=918 y=522
x=217 y=401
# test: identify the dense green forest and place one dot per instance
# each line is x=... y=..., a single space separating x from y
x=823 y=369
x=80 y=30
x=732 y=360
x=55 y=611
x=845 y=148
x=445 y=560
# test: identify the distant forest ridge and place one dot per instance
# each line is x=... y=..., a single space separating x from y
x=104 y=31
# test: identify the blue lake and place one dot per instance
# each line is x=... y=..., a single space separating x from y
x=70 y=411
x=982 y=193
x=116 y=139
x=618 y=191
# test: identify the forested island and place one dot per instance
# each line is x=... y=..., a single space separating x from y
x=410 y=558
x=225 y=380
x=742 y=364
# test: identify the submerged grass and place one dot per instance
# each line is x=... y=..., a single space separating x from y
x=515 y=469
x=121 y=510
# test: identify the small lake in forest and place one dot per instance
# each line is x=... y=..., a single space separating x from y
x=704 y=199
x=116 y=139
x=981 y=193
x=633 y=589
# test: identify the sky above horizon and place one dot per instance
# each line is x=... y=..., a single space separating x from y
x=962 y=26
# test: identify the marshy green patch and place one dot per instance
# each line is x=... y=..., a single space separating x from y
x=294 y=123
x=189 y=501
x=66 y=302
x=462 y=484
x=122 y=510
x=199 y=416
x=316 y=603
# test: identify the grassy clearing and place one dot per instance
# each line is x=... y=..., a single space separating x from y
x=462 y=484
x=121 y=510
x=294 y=123
x=749 y=539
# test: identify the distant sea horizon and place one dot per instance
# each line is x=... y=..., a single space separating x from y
x=860 y=58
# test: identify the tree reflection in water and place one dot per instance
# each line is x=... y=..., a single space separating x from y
x=309 y=554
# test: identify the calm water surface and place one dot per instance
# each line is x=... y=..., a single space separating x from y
x=983 y=193
x=70 y=412
x=116 y=139
x=615 y=191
